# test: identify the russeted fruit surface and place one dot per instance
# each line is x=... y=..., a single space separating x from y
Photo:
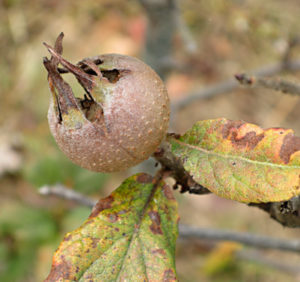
x=121 y=118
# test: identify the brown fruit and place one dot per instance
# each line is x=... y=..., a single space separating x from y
x=121 y=119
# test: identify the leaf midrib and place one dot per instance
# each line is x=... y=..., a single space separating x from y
x=225 y=156
x=137 y=229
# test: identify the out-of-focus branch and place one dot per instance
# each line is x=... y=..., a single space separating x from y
x=231 y=84
x=277 y=84
x=160 y=32
x=186 y=231
x=286 y=64
x=257 y=257
x=164 y=21
x=252 y=255
x=64 y=192
x=253 y=240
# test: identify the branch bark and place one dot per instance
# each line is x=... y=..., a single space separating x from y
x=231 y=84
x=161 y=15
x=185 y=231
x=257 y=257
x=253 y=240
x=64 y=192
x=277 y=84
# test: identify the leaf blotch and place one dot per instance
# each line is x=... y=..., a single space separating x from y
x=231 y=130
x=144 y=178
x=95 y=242
x=250 y=140
x=102 y=205
x=113 y=218
x=159 y=251
x=231 y=126
x=155 y=226
x=60 y=270
x=291 y=144
x=169 y=275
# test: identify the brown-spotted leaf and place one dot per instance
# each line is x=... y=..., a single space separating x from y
x=241 y=161
x=129 y=236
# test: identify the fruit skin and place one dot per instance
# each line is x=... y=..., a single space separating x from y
x=125 y=123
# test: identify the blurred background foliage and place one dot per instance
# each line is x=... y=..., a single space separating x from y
x=228 y=37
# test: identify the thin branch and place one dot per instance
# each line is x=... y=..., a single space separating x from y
x=186 y=231
x=253 y=240
x=277 y=84
x=231 y=84
x=164 y=21
x=161 y=28
x=64 y=192
x=287 y=64
x=251 y=255
x=258 y=257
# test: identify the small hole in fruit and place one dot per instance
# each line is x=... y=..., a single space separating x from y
x=112 y=75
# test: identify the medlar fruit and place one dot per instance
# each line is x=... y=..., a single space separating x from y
x=120 y=120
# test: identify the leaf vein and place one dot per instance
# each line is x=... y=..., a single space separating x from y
x=225 y=156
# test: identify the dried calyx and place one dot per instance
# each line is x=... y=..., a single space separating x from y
x=120 y=119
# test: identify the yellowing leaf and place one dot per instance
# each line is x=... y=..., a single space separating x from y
x=129 y=236
x=241 y=161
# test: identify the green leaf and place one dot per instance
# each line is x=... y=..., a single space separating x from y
x=25 y=223
x=23 y=230
x=241 y=161
x=129 y=236
x=58 y=169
